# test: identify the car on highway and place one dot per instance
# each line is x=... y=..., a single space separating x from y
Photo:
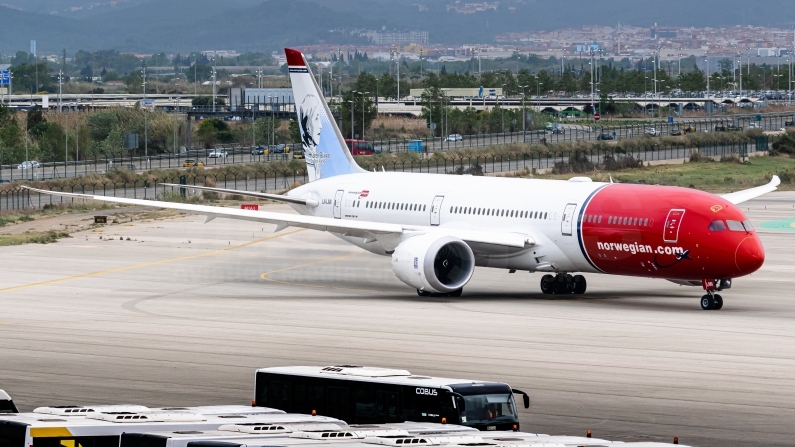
x=192 y=162
x=277 y=149
x=259 y=150
x=605 y=136
x=29 y=164
x=734 y=128
x=652 y=131
x=360 y=147
x=688 y=128
x=454 y=137
x=789 y=123
x=754 y=126
x=218 y=153
x=298 y=153
x=676 y=131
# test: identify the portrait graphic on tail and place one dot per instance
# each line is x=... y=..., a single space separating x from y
x=310 y=125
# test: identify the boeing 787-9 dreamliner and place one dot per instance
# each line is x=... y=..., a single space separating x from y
x=437 y=228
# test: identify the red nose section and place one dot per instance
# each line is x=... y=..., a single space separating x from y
x=750 y=255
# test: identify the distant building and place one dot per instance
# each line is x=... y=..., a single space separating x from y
x=397 y=37
x=220 y=53
x=768 y=52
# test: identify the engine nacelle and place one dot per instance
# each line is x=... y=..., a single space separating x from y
x=433 y=263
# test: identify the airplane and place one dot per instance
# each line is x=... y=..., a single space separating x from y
x=437 y=228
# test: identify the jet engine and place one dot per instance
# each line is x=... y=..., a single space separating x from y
x=432 y=263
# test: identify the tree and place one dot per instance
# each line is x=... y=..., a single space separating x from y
x=25 y=76
x=213 y=130
x=693 y=81
x=199 y=73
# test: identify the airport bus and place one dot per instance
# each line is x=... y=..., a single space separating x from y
x=362 y=395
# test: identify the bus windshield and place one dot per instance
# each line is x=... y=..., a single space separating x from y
x=489 y=408
x=487 y=404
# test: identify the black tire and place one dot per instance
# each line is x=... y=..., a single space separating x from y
x=548 y=284
x=423 y=293
x=718 y=302
x=456 y=293
x=579 y=284
x=707 y=303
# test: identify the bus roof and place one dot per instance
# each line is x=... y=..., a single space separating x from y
x=114 y=423
x=370 y=374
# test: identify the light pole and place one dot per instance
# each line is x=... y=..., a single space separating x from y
x=363 y=93
x=351 y=103
x=146 y=133
x=502 y=112
x=524 y=111
x=707 y=98
x=214 y=86
x=538 y=95
x=398 y=76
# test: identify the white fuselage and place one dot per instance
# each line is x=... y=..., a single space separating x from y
x=526 y=206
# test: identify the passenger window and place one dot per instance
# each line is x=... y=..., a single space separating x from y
x=747 y=225
x=717 y=225
x=646 y=222
x=600 y=219
x=735 y=225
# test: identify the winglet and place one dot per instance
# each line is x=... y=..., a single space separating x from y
x=752 y=193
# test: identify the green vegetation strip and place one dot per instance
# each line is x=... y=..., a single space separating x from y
x=33 y=237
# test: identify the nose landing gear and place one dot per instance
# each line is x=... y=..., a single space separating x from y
x=713 y=301
x=563 y=283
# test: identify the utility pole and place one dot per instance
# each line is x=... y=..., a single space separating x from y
x=398 y=76
x=214 y=82
x=146 y=129
x=365 y=93
x=60 y=89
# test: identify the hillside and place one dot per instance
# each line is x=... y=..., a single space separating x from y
x=254 y=25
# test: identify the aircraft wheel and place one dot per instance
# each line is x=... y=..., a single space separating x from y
x=423 y=292
x=548 y=284
x=718 y=302
x=579 y=284
x=707 y=302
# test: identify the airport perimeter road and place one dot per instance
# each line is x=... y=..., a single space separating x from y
x=184 y=312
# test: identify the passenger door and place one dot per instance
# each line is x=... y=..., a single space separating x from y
x=436 y=210
x=672 y=222
x=338 y=204
x=568 y=219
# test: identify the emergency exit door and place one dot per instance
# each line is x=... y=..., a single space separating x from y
x=568 y=219
x=338 y=204
x=436 y=210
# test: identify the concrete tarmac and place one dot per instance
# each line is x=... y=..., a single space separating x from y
x=184 y=312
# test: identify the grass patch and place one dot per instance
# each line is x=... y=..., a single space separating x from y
x=707 y=176
x=33 y=237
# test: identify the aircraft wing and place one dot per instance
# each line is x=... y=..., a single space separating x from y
x=371 y=231
x=752 y=193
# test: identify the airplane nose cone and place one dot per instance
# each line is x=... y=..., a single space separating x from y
x=750 y=255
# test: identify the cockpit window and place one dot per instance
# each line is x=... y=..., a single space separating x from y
x=717 y=225
x=747 y=225
x=735 y=225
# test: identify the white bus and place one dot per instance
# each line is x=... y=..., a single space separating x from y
x=365 y=395
x=101 y=426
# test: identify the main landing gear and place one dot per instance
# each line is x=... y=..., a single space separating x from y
x=563 y=283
